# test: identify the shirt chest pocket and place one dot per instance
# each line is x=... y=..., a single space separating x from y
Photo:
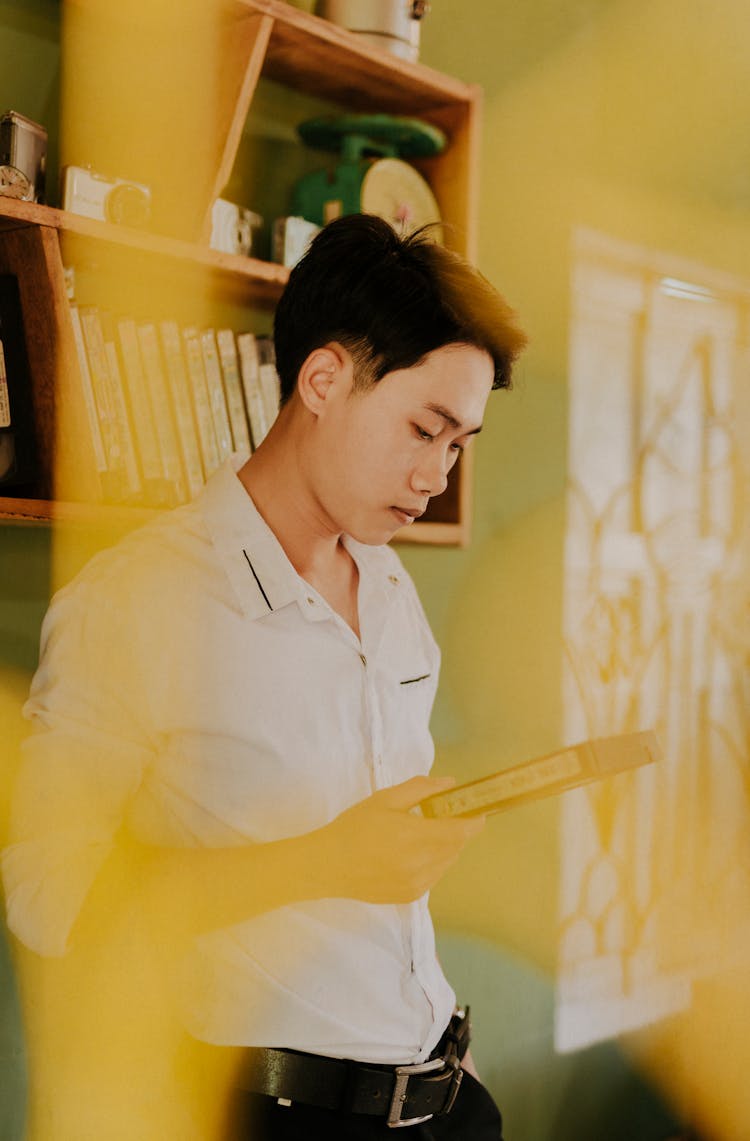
x=418 y=679
x=409 y=697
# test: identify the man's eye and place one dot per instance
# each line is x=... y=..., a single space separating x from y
x=457 y=447
x=423 y=433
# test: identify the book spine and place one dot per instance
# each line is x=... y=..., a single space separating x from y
x=217 y=400
x=5 y=417
x=179 y=390
x=247 y=349
x=87 y=390
x=156 y=491
x=104 y=395
x=233 y=389
x=201 y=401
x=133 y=475
x=163 y=422
x=269 y=378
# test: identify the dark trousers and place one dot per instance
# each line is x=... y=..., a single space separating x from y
x=474 y=1117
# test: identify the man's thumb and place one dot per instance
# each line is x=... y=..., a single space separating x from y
x=410 y=792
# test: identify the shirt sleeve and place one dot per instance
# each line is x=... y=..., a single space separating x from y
x=81 y=764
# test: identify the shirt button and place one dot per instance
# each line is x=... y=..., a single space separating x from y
x=393 y=578
x=363 y=659
x=311 y=601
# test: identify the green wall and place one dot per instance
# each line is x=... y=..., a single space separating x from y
x=30 y=72
x=628 y=118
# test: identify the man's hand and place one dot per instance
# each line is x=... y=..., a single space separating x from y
x=380 y=851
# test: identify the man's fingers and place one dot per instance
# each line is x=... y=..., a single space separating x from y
x=457 y=829
x=410 y=792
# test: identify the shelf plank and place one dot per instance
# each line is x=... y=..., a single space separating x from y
x=302 y=41
x=317 y=56
x=114 y=517
x=48 y=511
x=267 y=278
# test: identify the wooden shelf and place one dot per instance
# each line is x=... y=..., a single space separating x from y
x=46 y=512
x=447 y=523
x=325 y=60
x=245 y=40
x=315 y=56
x=264 y=280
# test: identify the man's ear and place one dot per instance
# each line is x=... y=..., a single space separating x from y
x=324 y=371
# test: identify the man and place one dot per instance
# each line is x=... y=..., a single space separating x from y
x=243 y=689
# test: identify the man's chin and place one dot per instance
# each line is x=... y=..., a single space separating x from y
x=376 y=533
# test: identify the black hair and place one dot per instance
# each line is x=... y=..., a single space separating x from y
x=389 y=300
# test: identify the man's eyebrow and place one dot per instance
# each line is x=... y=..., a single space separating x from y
x=440 y=410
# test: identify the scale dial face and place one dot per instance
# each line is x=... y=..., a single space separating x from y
x=397 y=192
x=15 y=184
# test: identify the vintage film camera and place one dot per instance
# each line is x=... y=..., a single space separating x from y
x=23 y=157
x=291 y=237
x=118 y=200
x=232 y=228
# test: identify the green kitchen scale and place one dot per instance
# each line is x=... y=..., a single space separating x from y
x=371 y=176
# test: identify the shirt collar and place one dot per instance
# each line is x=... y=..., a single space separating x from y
x=258 y=568
x=253 y=558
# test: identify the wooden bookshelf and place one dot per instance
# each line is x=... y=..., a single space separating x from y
x=252 y=39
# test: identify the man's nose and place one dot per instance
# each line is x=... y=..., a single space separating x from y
x=430 y=477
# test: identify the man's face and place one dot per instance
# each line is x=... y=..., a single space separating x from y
x=387 y=450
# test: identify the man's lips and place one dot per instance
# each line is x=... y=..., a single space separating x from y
x=408 y=514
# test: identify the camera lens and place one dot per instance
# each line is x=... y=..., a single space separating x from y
x=128 y=205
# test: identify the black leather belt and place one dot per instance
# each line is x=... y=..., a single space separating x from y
x=404 y=1095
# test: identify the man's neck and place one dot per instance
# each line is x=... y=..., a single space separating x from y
x=275 y=481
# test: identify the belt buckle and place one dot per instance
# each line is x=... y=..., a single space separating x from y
x=403 y=1073
x=456 y=1078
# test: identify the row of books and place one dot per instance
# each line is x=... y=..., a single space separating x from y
x=166 y=404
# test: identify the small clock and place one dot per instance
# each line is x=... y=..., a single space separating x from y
x=371 y=176
x=15 y=184
x=23 y=156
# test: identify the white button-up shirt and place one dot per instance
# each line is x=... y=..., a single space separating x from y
x=194 y=686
